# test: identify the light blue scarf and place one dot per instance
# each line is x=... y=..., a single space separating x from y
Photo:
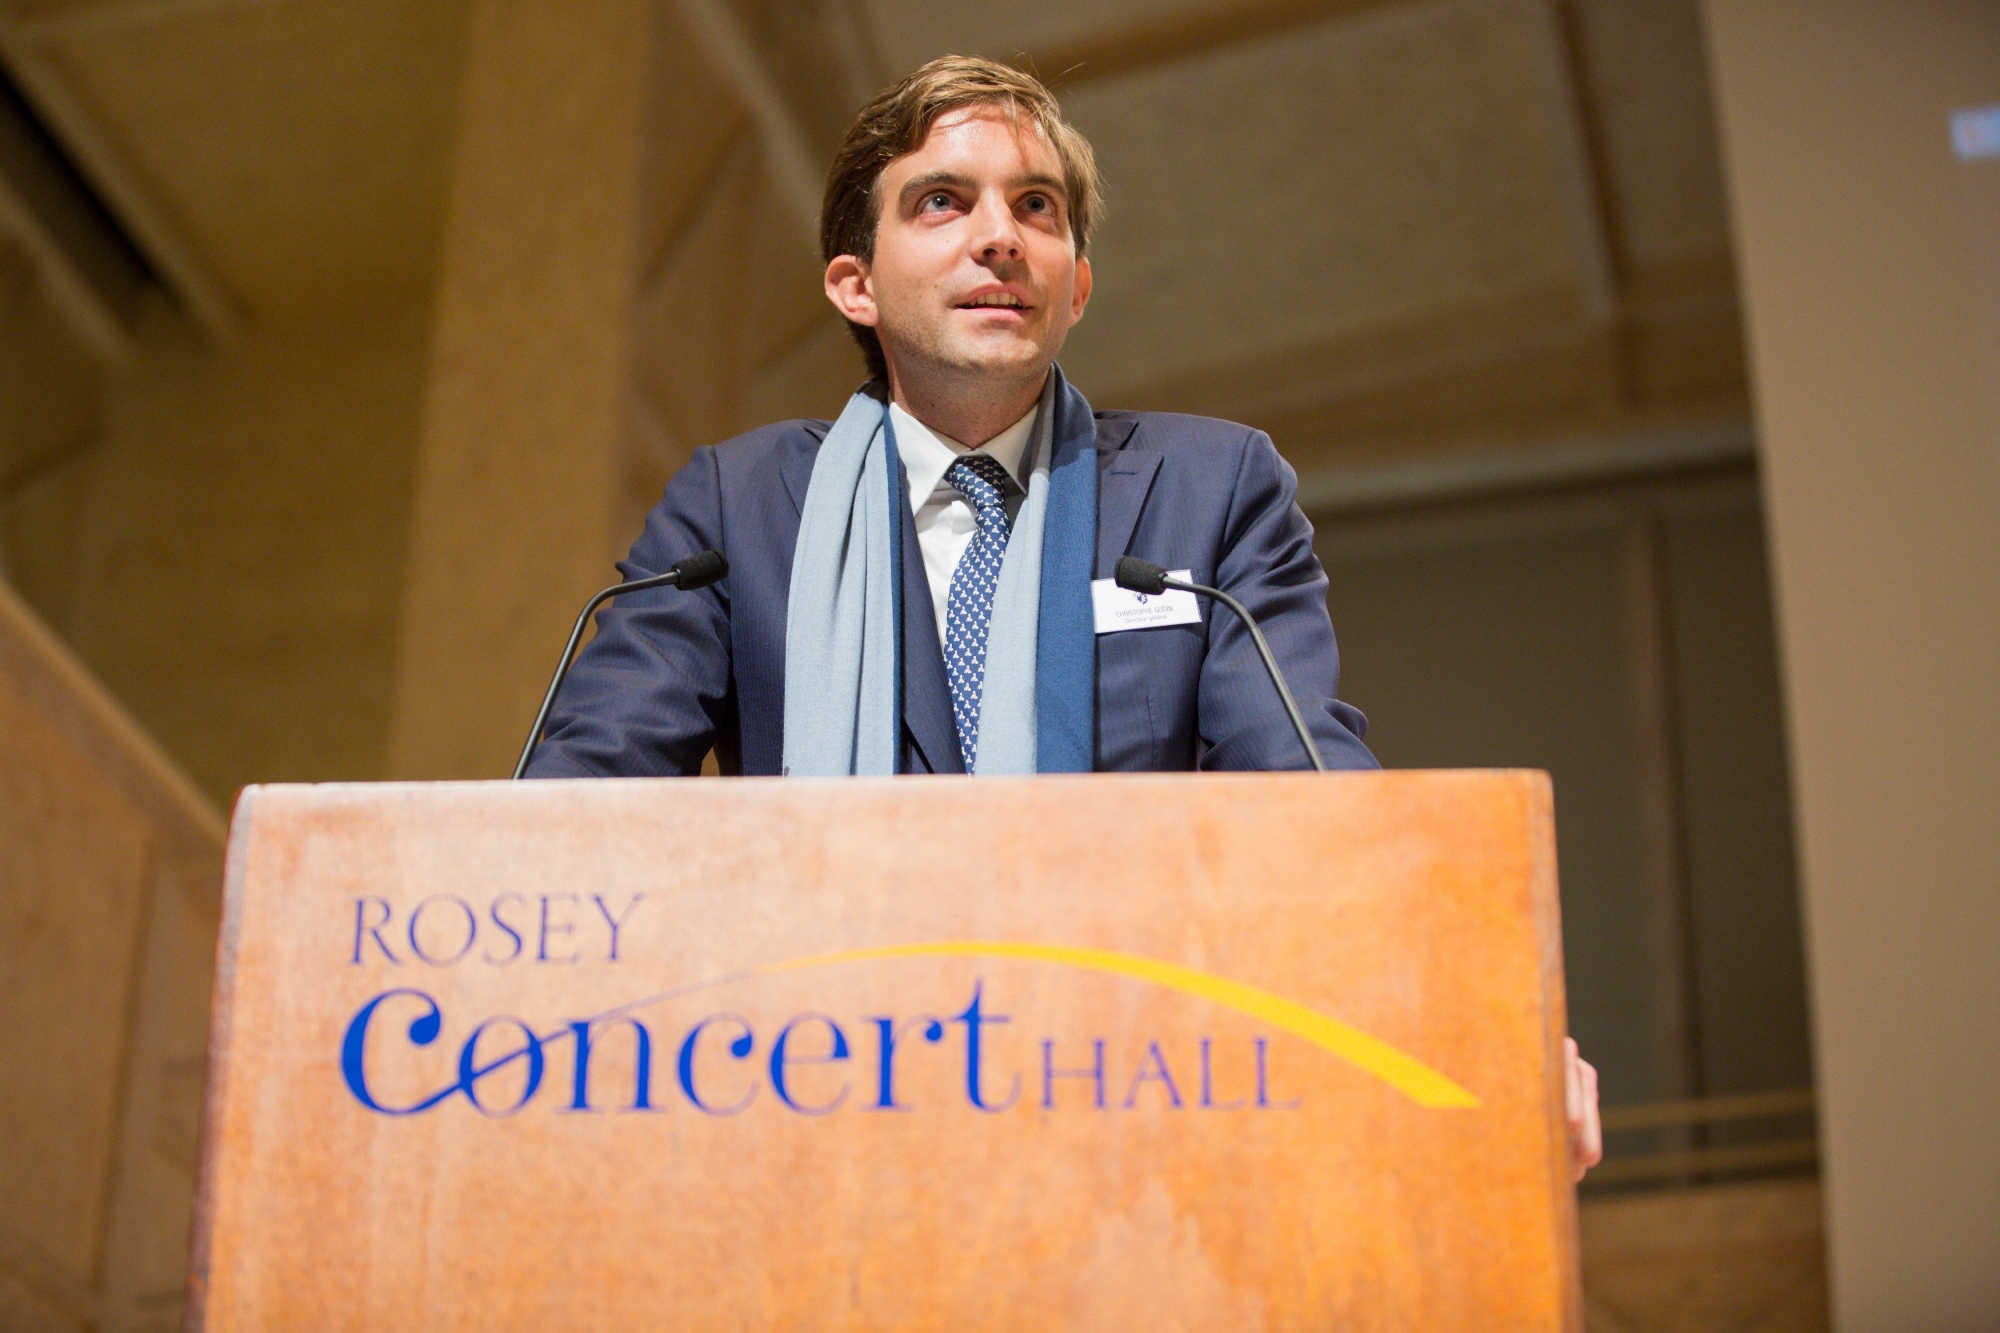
x=843 y=625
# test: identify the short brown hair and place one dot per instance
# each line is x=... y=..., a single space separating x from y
x=897 y=120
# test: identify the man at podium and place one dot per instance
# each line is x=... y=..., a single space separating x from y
x=924 y=584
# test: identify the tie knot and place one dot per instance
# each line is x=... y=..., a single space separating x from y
x=979 y=478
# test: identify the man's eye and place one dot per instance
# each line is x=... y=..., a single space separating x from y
x=937 y=201
x=1037 y=203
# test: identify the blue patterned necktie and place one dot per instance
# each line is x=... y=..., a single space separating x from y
x=982 y=481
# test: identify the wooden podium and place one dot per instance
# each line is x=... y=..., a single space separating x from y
x=1253 y=1052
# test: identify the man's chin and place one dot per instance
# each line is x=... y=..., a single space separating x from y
x=1013 y=360
x=990 y=356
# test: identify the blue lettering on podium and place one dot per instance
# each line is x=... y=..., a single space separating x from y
x=1050 y=1074
x=642 y=1077
x=974 y=1083
x=740 y=1048
x=431 y=931
x=1208 y=1085
x=470 y=1071
x=501 y=924
x=1158 y=1062
x=738 y=1038
x=471 y=929
x=888 y=1033
x=781 y=1060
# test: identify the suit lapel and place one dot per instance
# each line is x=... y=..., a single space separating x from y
x=926 y=691
x=795 y=465
x=1123 y=479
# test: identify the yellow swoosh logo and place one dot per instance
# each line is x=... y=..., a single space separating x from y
x=1407 y=1074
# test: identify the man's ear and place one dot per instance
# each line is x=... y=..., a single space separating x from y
x=849 y=288
x=1080 y=294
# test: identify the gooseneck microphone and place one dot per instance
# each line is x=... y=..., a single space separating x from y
x=697 y=571
x=1136 y=575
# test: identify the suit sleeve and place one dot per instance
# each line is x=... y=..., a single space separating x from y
x=1268 y=564
x=649 y=695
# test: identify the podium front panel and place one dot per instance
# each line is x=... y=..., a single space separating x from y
x=1257 y=1052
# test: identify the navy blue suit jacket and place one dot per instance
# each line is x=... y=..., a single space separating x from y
x=673 y=674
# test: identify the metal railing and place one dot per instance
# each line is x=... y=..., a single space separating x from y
x=1722 y=1159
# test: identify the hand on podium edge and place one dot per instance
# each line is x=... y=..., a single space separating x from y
x=1586 y=1131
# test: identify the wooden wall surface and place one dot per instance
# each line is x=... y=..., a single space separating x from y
x=110 y=877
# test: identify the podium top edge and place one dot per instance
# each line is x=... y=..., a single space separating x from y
x=901 y=780
x=272 y=798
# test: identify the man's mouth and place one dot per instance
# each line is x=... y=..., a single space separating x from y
x=994 y=301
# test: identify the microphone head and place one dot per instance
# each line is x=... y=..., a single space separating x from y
x=1136 y=575
x=698 y=571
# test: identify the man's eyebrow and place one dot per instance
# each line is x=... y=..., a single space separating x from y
x=1043 y=179
x=930 y=180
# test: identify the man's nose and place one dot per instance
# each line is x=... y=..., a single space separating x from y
x=996 y=233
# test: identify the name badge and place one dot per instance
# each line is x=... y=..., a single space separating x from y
x=1118 y=609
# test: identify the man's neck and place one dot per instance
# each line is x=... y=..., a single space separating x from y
x=968 y=409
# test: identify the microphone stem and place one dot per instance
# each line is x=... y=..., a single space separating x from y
x=1270 y=663
x=667 y=579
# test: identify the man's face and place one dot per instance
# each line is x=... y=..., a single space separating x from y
x=975 y=269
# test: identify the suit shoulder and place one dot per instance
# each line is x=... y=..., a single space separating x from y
x=777 y=438
x=747 y=465
x=1172 y=431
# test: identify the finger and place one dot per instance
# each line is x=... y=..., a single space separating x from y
x=1593 y=1122
x=1572 y=1104
x=1572 y=1086
x=1579 y=1107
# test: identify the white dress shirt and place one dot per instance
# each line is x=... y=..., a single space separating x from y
x=945 y=522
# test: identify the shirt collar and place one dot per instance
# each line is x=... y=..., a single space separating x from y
x=928 y=455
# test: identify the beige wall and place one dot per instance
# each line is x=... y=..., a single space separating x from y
x=1866 y=251
x=246 y=555
x=614 y=290
x=523 y=436
x=223 y=542
x=346 y=541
